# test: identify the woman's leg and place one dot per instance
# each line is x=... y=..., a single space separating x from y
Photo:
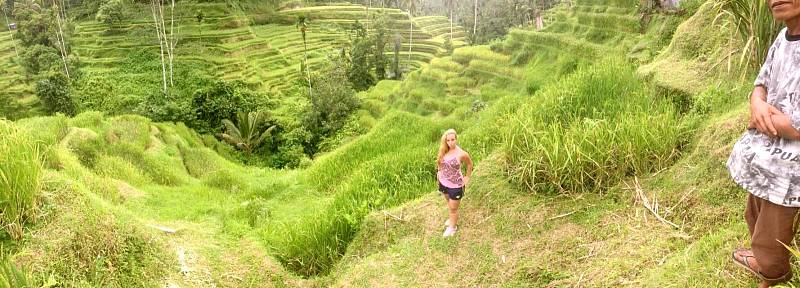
x=452 y=206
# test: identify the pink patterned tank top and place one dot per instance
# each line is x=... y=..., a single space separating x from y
x=450 y=173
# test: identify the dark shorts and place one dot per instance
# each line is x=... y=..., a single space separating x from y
x=452 y=193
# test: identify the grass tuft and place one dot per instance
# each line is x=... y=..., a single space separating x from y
x=20 y=178
x=591 y=130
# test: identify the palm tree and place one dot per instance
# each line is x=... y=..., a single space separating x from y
x=27 y=5
x=248 y=134
x=302 y=24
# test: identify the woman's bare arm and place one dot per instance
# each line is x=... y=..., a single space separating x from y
x=467 y=160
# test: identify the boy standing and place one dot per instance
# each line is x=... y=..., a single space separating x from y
x=766 y=160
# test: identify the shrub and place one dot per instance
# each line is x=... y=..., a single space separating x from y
x=91 y=120
x=39 y=58
x=103 y=92
x=221 y=101
x=332 y=102
x=87 y=149
x=53 y=90
x=350 y=130
x=256 y=211
x=111 y=13
x=200 y=162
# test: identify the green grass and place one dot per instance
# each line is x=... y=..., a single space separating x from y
x=400 y=147
x=755 y=25
x=11 y=276
x=538 y=112
x=701 y=51
x=20 y=179
x=90 y=242
x=591 y=130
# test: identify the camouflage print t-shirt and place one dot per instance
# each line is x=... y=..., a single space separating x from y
x=769 y=168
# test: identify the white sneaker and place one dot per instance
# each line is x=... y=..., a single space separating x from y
x=450 y=231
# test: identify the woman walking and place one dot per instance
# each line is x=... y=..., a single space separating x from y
x=451 y=180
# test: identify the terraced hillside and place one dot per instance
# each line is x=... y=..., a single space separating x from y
x=583 y=29
x=12 y=81
x=265 y=56
x=587 y=175
x=429 y=33
x=227 y=45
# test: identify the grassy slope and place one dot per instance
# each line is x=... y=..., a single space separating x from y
x=111 y=181
x=232 y=221
x=512 y=238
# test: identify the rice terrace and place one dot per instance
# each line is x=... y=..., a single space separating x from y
x=300 y=143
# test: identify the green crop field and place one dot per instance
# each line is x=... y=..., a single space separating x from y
x=599 y=141
x=229 y=44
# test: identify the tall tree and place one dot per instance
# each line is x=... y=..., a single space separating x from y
x=9 y=6
x=380 y=31
x=412 y=7
x=450 y=7
x=333 y=102
x=53 y=90
x=475 y=26
x=398 y=44
x=302 y=25
x=173 y=41
x=166 y=42
x=62 y=47
x=155 y=8
x=358 y=71
x=366 y=8
x=34 y=23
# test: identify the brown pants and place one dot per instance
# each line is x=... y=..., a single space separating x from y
x=769 y=223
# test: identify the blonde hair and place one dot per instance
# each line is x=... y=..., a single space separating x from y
x=443 y=148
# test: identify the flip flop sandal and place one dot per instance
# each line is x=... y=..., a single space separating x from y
x=746 y=265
